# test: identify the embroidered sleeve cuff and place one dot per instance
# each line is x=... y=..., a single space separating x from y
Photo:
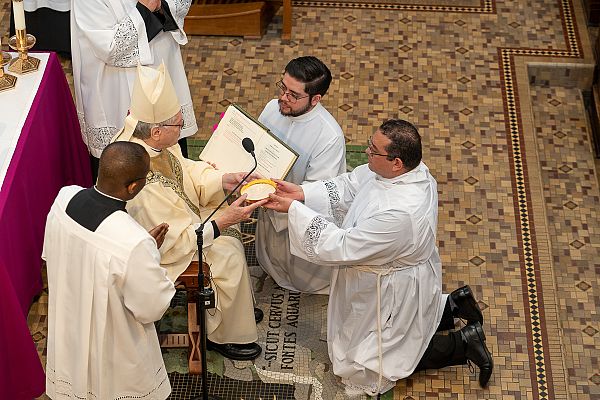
x=216 y=230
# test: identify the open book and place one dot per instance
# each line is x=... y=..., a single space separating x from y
x=224 y=148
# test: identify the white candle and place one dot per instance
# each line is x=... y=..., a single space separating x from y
x=19 y=15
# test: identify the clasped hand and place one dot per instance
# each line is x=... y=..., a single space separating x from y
x=152 y=5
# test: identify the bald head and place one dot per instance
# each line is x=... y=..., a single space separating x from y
x=123 y=169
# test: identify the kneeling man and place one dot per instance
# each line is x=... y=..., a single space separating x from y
x=183 y=193
x=385 y=301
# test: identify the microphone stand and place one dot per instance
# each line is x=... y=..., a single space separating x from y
x=206 y=296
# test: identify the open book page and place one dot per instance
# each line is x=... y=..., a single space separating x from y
x=225 y=150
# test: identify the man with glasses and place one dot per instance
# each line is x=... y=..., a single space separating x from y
x=386 y=301
x=297 y=117
x=105 y=287
x=183 y=193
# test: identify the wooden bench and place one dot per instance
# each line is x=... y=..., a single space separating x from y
x=191 y=339
x=236 y=18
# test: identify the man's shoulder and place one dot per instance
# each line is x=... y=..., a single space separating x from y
x=329 y=123
x=121 y=227
x=65 y=194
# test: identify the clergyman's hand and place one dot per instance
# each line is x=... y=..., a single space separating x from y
x=289 y=190
x=159 y=232
x=152 y=5
x=279 y=203
x=231 y=180
x=237 y=212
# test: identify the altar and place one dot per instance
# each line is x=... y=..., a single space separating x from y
x=41 y=150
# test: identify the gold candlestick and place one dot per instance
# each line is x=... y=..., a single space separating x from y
x=22 y=42
x=7 y=81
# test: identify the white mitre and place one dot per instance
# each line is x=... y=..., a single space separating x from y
x=153 y=100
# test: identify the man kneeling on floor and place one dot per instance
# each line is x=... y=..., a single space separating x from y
x=183 y=193
x=385 y=299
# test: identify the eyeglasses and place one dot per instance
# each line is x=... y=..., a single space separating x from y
x=291 y=96
x=180 y=126
x=370 y=148
x=135 y=180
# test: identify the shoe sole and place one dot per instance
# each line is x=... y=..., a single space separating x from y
x=485 y=373
x=471 y=302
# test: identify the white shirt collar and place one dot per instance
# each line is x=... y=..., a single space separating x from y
x=419 y=173
x=107 y=195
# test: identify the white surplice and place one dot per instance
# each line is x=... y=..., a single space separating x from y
x=106 y=288
x=56 y=5
x=385 y=245
x=320 y=144
x=108 y=41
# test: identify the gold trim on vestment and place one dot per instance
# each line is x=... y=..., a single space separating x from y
x=166 y=170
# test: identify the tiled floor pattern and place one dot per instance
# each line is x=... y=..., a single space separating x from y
x=572 y=204
x=456 y=74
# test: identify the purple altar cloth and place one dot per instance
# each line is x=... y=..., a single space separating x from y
x=50 y=154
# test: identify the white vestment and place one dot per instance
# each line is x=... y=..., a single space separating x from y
x=57 y=5
x=106 y=288
x=183 y=193
x=108 y=41
x=320 y=143
x=384 y=250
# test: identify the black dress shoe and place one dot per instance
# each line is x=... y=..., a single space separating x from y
x=258 y=314
x=234 y=351
x=477 y=352
x=465 y=306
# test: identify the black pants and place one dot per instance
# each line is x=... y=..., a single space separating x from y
x=94 y=164
x=183 y=145
x=444 y=350
x=51 y=30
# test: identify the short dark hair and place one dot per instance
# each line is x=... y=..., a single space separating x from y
x=312 y=72
x=406 y=142
x=121 y=163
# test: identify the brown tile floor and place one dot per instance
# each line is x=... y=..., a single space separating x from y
x=519 y=196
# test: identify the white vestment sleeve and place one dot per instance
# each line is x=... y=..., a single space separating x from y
x=380 y=239
x=147 y=291
x=328 y=162
x=179 y=9
x=324 y=165
x=120 y=42
x=333 y=197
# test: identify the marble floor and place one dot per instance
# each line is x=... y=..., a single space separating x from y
x=497 y=89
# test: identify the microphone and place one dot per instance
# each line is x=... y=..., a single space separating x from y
x=206 y=296
x=248 y=145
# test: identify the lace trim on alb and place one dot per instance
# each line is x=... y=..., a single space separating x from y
x=181 y=9
x=189 y=118
x=126 y=52
x=312 y=235
x=371 y=390
x=334 y=202
x=96 y=138
x=65 y=388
